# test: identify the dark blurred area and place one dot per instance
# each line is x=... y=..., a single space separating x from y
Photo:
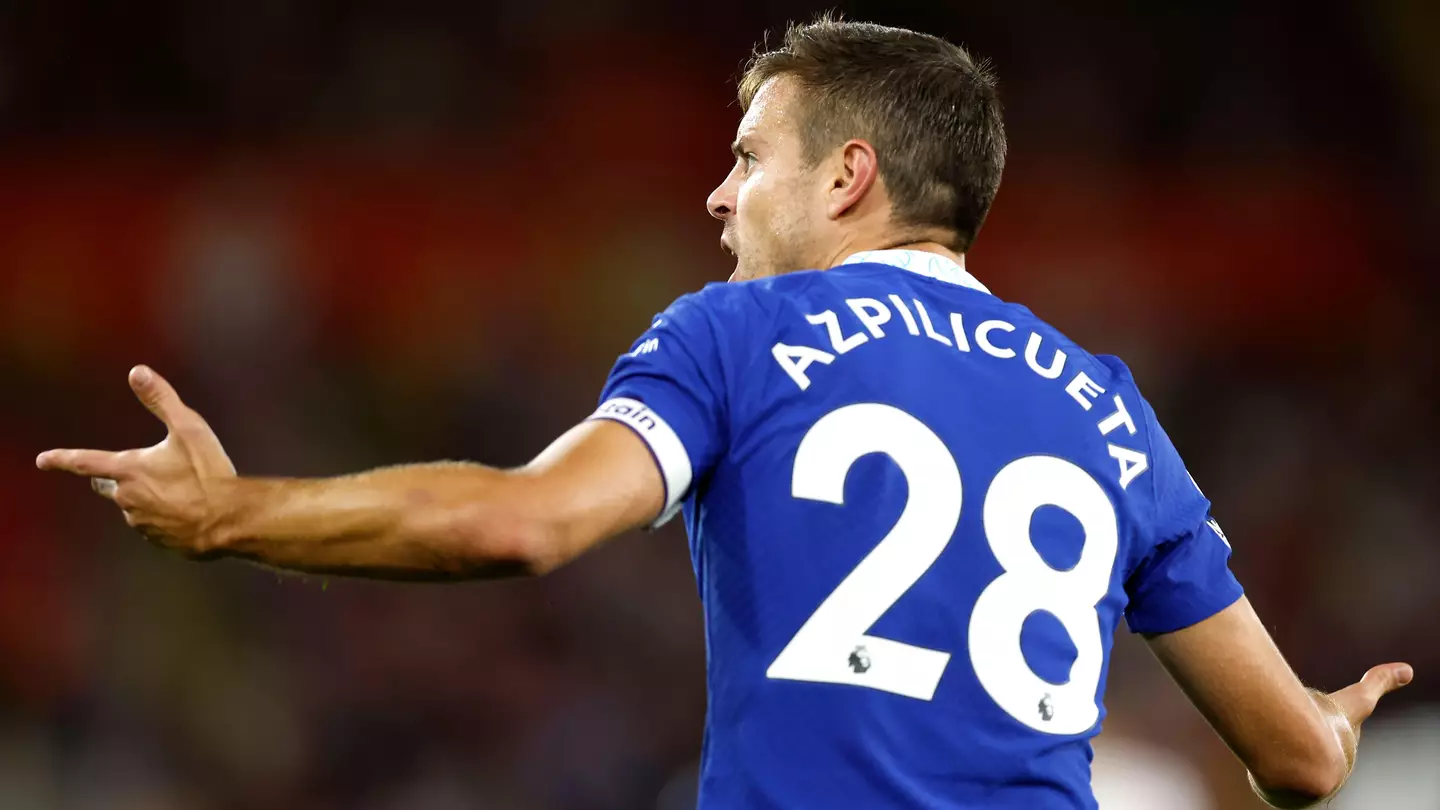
x=363 y=233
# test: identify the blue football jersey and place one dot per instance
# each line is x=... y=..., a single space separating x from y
x=916 y=515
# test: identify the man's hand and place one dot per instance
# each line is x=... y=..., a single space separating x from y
x=165 y=491
x=1348 y=708
x=1358 y=700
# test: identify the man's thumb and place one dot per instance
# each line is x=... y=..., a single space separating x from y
x=1386 y=678
x=1358 y=700
x=156 y=394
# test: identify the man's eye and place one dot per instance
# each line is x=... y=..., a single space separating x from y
x=750 y=159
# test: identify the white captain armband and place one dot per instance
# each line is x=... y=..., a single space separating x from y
x=669 y=453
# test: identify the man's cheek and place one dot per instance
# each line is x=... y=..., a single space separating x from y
x=753 y=213
x=748 y=195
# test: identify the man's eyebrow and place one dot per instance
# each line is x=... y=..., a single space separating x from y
x=744 y=143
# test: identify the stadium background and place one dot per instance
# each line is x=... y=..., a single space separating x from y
x=360 y=233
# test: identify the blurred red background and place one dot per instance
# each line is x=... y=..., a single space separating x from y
x=360 y=233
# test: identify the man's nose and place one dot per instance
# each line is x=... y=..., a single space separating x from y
x=721 y=202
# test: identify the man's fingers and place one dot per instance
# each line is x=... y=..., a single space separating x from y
x=105 y=487
x=92 y=463
x=1359 y=699
x=156 y=394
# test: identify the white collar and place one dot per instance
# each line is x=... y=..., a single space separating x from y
x=932 y=265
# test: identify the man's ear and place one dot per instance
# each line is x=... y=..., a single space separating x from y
x=856 y=174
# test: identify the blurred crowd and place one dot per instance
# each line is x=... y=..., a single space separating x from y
x=362 y=233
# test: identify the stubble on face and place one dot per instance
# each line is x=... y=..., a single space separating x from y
x=773 y=230
x=778 y=232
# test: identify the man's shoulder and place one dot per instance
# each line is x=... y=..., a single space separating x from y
x=756 y=291
x=743 y=305
x=1106 y=370
x=1117 y=375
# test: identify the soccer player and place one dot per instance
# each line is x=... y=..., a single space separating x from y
x=916 y=512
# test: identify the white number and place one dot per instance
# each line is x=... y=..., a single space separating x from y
x=832 y=645
x=823 y=648
x=1030 y=584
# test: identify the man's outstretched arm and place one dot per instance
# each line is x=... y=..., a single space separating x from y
x=445 y=520
x=1299 y=744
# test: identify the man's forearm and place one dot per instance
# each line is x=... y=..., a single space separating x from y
x=417 y=522
x=425 y=521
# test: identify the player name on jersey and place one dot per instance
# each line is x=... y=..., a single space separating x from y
x=988 y=335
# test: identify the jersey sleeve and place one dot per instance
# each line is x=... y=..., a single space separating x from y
x=1184 y=578
x=670 y=389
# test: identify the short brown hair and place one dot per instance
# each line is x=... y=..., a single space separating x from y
x=930 y=110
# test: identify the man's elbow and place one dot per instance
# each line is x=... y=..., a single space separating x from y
x=1303 y=781
x=540 y=547
x=508 y=540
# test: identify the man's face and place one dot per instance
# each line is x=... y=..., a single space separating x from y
x=771 y=202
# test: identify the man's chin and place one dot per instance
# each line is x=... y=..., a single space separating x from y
x=749 y=269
